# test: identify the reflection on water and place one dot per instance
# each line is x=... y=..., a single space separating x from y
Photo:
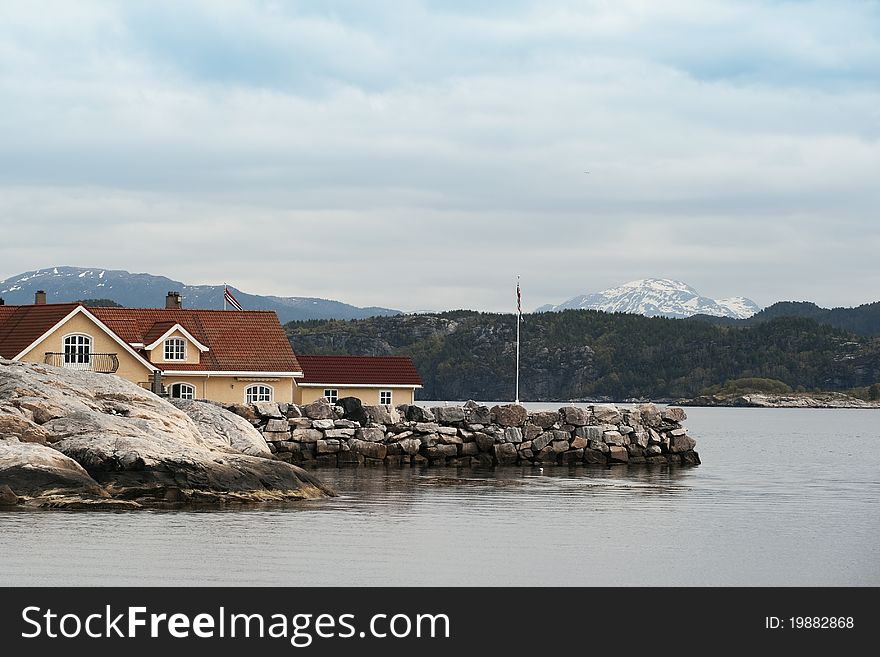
x=784 y=497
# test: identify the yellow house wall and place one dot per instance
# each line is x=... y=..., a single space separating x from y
x=129 y=367
x=228 y=389
x=193 y=354
x=369 y=396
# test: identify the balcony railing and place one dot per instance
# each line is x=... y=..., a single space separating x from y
x=103 y=363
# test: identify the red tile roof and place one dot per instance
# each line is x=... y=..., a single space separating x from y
x=359 y=370
x=237 y=341
x=24 y=324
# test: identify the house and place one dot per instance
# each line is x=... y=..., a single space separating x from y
x=372 y=379
x=225 y=356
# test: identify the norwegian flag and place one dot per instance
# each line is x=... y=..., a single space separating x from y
x=231 y=300
x=519 y=301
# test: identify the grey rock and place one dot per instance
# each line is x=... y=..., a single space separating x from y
x=606 y=414
x=318 y=410
x=594 y=456
x=222 y=428
x=327 y=446
x=578 y=443
x=353 y=409
x=33 y=469
x=650 y=415
x=505 y=453
x=509 y=415
x=339 y=433
x=427 y=427
x=590 y=433
x=300 y=423
x=306 y=435
x=484 y=441
x=370 y=434
x=7 y=496
x=640 y=438
x=448 y=431
x=559 y=446
x=598 y=446
x=673 y=414
x=544 y=419
x=410 y=445
x=618 y=454
x=470 y=449
x=272 y=426
x=448 y=414
x=368 y=449
x=653 y=450
x=268 y=410
x=477 y=414
x=577 y=417
x=382 y=414
x=513 y=435
x=324 y=424
x=446 y=439
x=532 y=431
x=679 y=444
x=419 y=414
x=613 y=438
x=542 y=441
x=442 y=451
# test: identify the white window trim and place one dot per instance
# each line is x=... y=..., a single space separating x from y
x=390 y=394
x=259 y=385
x=81 y=310
x=332 y=398
x=76 y=365
x=177 y=328
x=183 y=384
x=165 y=350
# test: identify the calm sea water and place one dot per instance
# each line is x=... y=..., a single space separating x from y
x=785 y=497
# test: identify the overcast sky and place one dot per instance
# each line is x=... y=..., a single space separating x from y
x=420 y=154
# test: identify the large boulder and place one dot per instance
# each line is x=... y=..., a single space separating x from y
x=353 y=409
x=318 y=410
x=509 y=415
x=382 y=414
x=31 y=469
x=139 y=446
x=448 y=414
x=222 y=428
x=477 y=413
x=419 y=414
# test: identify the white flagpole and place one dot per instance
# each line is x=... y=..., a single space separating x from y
x=518 y=318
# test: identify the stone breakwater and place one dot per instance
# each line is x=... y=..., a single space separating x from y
x=348 y=433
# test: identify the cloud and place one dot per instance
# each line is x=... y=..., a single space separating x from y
x=292 y=148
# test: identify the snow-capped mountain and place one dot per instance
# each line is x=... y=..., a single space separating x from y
x=148 y=291
x=659 y=297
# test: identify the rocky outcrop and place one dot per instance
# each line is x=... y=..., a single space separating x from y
x=790 y=400
x=475 y=435
x=93 y=436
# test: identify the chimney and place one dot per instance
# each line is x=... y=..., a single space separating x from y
x=172 y=300
x=40 y=298
x=2 y=302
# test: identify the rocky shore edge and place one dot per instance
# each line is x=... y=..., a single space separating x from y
x=351 y=434
x=787 y=400
x=79 y=440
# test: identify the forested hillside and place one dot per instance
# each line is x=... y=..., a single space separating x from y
x=584 y=354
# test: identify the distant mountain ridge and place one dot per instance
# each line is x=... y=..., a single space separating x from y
x=63 y=284
x=861 y=320
x=658 y=297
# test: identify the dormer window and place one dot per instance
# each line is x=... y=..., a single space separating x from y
x=175 y=349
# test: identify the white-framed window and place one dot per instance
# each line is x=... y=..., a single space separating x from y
x=78 y=351
x=182 y=391
x=258 y=393
x=385 y=397
x=331 y=394
x=175 y=349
